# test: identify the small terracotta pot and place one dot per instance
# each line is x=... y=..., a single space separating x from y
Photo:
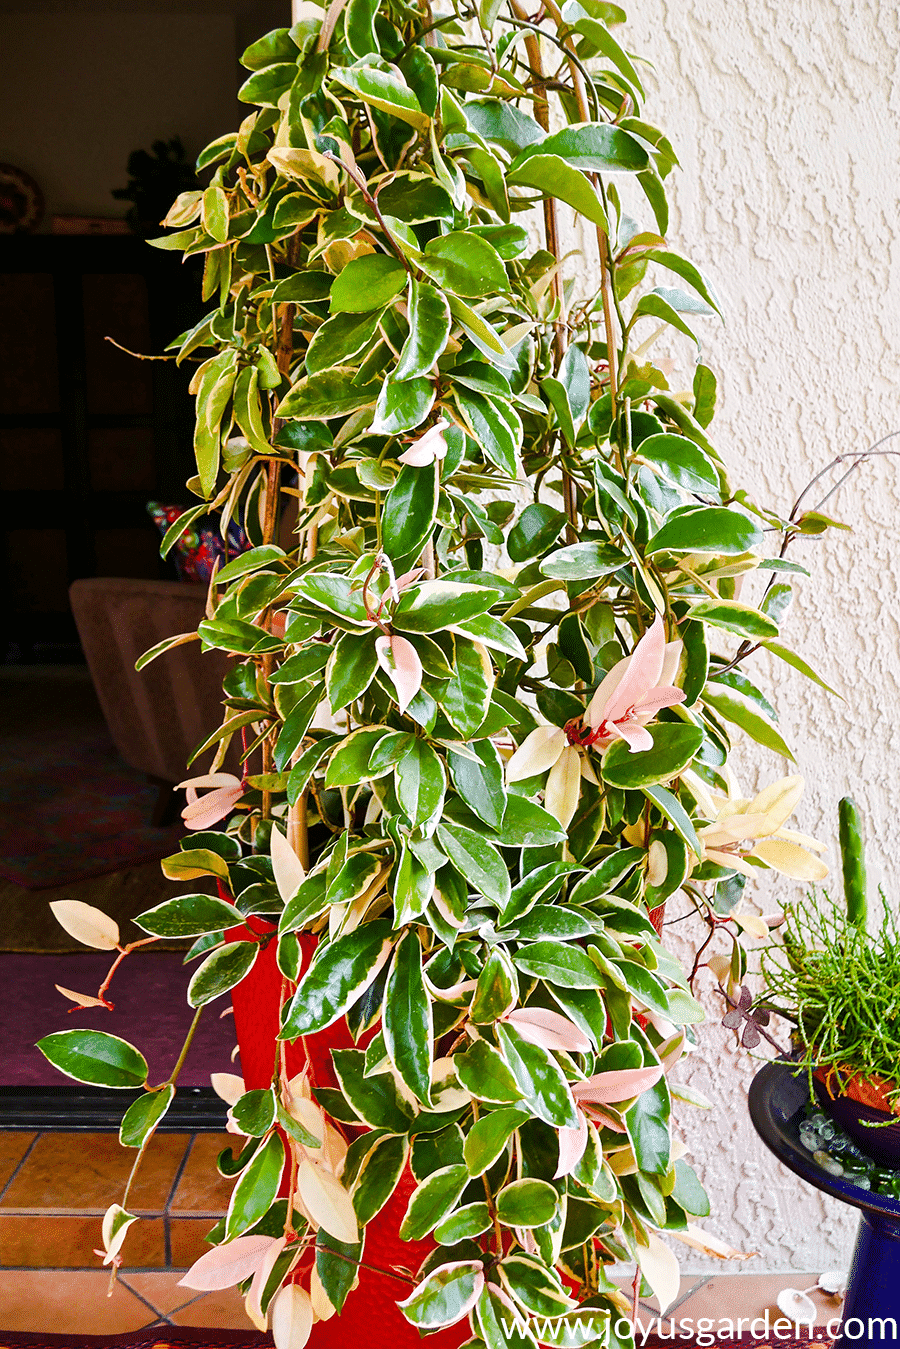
x=859 y=1105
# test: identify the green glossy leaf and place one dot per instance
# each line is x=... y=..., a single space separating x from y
x=682 y=462
x=336 y=1264
x=408 y=1028
x=489 y=427
x=734 y=707
x=567 y=966
x=351 y=668
x=257 y=1187
x=540 y=1079
x=480 y=782
x=255 y=1112
x=445 y=1295
x=350 y=760
x=420 y=782
x=648 y=1129
x=526 y=1203
x=553 y=177
x=674 y=746
x=655 y=306
x=97 y=1058
x=306 y=904
x=591 y=146
x=791 y=658
x=583 y=561
x=496 y=990
x=429 y=329
x=432 y=1200
x=536 y=530
x=143 y=1115
x=485 y=1075
x=402 y=405
x=188 y=916
x=686 y=270
x=528 y=825
x=503 y=123
x=467 y=696
x=266 y=86
x=327 y=394
x=734 y=617
x=490 y=632
x=431 y=606
x=477 y=860
x=381 y=85
x=340 y=339
x=713 y=529
x=220 y=971
x=469 y=1221
x=374 y=1098
x=410 y=509
x=676 y=814
x=339 y=975
x=464 y=263
x=378 y=1176
x=489 y=1135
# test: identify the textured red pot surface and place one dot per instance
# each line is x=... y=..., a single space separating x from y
x=370 y=1316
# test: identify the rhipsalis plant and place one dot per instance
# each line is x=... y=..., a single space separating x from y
x=487 y=649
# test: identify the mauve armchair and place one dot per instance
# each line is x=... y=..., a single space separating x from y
x=157 y=717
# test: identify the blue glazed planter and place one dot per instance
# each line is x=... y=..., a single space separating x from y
x=869 y=1128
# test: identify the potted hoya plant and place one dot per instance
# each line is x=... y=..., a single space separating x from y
x=486 y=648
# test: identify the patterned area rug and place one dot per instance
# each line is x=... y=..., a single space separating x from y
x=70 y=808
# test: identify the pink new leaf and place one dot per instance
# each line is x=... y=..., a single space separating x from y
x=620 y=1085
x=400 y=661
x=225 y=1266
x=548 y=1029
x=572 y=1144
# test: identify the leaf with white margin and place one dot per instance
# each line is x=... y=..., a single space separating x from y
x=326 y=1201
x=287 y=868
x=292 y=1317
x=86 y=924
x=660 y=1268
x=116 y=1222
x=700 y=1240
x=799 y=1308
x=447 y=1295
x=227 y=1265
x=228 y=1087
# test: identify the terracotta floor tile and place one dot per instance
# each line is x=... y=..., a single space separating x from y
x=751 y=1295
x=71 y=1301
x=40 y=1241
x=161 y=1290
x=187 y=1240
x=220 y=1311
x=201 y=1189
x=13 y=1147
x=87 y=1172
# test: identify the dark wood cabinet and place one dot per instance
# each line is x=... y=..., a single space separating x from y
x=88 y=434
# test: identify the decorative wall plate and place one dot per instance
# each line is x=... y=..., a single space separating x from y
x=21 y=201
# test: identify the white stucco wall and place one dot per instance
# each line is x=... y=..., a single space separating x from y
x=786 y=118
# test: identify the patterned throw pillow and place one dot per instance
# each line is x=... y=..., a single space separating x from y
x=197 y=549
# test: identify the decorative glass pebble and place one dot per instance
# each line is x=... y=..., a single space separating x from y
x=838 y=1155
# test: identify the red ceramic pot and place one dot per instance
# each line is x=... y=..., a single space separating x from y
x=370 y=1315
